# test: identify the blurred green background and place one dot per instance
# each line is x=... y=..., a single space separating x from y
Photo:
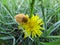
x=48 y=10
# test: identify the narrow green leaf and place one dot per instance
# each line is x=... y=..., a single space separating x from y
x=8 y=37
x=52 y=28
x=53 y=37
x=57 y=42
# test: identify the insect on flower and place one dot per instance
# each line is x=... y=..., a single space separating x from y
x=21 y=18
x=31 y=26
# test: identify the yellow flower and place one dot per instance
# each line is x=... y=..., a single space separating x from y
x=32 y=27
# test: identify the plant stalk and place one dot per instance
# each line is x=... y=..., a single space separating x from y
x=31 y=7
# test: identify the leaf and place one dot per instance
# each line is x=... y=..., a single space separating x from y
x=52 y=28
x=53 y=37
x=8 y=37
x=57 y=42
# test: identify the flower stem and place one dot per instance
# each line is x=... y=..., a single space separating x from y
x=31 y=7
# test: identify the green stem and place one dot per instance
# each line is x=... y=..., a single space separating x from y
x=31 y=7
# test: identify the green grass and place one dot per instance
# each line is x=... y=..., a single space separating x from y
x=48 y=10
